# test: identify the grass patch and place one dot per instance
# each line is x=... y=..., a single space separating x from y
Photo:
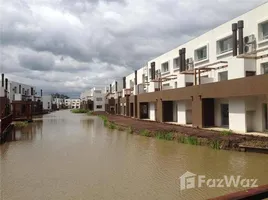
x=188 y=140
x=226 y=132
x=21 y=124
x=191 y=140
x=111 y=125
x=89 y=113
x=77 y=111
x=215 y=144
x=164 y=135
x=145 y=133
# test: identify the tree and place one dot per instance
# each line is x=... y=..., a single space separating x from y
x=61 y=96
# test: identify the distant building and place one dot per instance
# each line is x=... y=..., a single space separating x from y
x=47 y=102
x=93 y=99
x=72 y=103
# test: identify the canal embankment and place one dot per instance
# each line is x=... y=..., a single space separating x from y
x=225 y=140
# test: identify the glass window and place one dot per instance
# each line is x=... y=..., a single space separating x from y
x=225 y=45
x=99 y=99
x=201 y=54
x=265 y=68
x=176 y=63
x=264 y=30
x=99 y=106
x=165 y=67
x=223 y=76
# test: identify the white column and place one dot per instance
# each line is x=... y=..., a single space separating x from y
x=181 y=112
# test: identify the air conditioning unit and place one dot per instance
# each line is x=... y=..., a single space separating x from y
x=249 y=44
x=250 y=39
x=190 y=63
x=157 y=73
x=249 y=48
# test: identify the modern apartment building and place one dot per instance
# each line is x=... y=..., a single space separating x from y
x=72 y=103
x=93 y=99
x=47 y=102
x=23 y=98
x=219 y=79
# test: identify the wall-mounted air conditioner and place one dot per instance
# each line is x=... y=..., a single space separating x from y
x=249 y=44
x=190 y=63
x=249 y=39
x=249 y=48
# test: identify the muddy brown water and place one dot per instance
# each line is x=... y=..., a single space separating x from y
x=73 y=156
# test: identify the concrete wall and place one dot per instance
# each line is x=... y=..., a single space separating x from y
x=47 y=102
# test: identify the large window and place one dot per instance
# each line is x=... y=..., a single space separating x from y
x=165 y=67
x=225 y=45
x=98 y=99
x=263 y=28
x=176 y=63
x=265 y=68
x=99 y=106
x=201 y=54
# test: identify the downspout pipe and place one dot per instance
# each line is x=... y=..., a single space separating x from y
x=240 y=26
x=234 y=29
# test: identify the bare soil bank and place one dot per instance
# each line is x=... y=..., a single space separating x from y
x=195 y=136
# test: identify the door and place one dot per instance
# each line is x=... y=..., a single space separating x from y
x=224 y=114
x=265 y=107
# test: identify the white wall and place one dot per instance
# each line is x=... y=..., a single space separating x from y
x=47 y=102
x=237 y=114
x=152 y=111
x=99 y=103
x=24 y=87
x=181 y=105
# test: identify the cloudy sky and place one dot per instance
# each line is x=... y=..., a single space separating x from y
x=70 y=45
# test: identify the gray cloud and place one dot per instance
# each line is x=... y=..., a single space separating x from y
x=37 y=61
x=99 y=40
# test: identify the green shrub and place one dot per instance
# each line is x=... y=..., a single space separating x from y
x=89 y=113
x=111 y=125
x=215 y=144
x=164 y=135
x=226 y=132
x=145 y=133
x=191 y=140
x=21 y=124
x=76 y=111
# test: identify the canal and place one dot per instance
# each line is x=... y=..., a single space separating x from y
x=73 y=156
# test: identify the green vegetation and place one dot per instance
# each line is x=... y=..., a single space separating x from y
x=226 y=132
x=164 y=135
x=189 y=140
x=130 y=130
x=21 y=124
x=145 y=133
x=215 y=144
x=89 y=113
x=111 y=125
x=61 y=96
x=76 y=111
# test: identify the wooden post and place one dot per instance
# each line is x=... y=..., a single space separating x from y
x=194 y=76
x=199 y=77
